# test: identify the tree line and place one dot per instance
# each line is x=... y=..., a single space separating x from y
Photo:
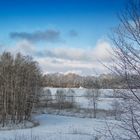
x=20 y=82
x=72 y=80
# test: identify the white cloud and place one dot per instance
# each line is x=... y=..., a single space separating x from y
x=103 y=50
x=66 y=59
x=24 y=46
x=100 y=52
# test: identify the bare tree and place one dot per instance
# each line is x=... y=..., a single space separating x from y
x=93 y=96
x=116 y=107
x=126 y=39
x=19 y=84
x=48 y=96
x=60 y=97
x=70 y=96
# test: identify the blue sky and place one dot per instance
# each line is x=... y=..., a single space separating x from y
x=55 y=30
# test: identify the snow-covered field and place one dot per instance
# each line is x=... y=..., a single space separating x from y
x=105 y=100
x=57 y=127
x=53 y=127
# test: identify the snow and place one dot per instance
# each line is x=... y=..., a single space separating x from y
x=11 y=126
x=105 y=100
x=54 y=127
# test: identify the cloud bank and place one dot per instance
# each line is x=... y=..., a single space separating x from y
x=63 y=59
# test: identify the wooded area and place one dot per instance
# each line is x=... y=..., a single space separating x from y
x=20 y=79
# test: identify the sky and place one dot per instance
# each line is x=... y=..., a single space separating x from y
x=62 y=35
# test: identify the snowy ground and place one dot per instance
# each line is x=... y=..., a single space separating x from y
x=54 y=127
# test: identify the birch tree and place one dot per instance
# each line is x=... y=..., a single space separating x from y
x=20 y=81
